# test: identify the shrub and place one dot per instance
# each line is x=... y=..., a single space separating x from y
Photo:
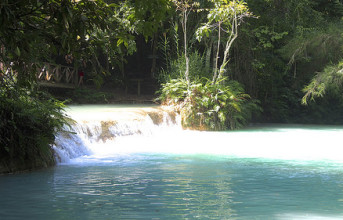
x=176 y=68
x=207 y=106
x=28 y=122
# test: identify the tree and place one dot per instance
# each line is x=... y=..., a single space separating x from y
x=225 y=16
x=216 y=104
x=330 y=77
x=185 y=7
x=261 y=55
x=32 y=32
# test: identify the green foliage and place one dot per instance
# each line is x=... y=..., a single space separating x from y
x=277 y=54
x=312 y=49
x=149 y=14
x=224 y=10
x=207 y=106
x=113 y=42
x=225 y=17
x=174 y=92
x=33 y=32
x=164 y=46
x=266 y=38
x=331 y=78
x=177 y=67
x=90 y=96
x=216 y=104
x=332 y=9
x=28 y=122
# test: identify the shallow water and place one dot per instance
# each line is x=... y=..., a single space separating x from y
x=262 y=172
x=147 y=186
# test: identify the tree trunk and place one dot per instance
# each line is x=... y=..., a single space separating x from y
x=229 y=42
x=184 y=25
x=217 y=57
x=208 y=55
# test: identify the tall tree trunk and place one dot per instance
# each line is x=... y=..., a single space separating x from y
x=214 y=54
x=184 y=26
x=229 y=42
x=208 y=55
x=217 y=56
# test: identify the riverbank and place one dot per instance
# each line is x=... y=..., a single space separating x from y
x=29 y=121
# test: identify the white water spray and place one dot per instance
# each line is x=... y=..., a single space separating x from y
x=104 y=132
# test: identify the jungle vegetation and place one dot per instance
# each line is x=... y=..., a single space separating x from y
x=221 y=63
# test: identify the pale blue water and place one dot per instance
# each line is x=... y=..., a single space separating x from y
x=149 y=171
x=150 y=186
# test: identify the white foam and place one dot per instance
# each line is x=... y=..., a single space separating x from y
x=307 y=216
x=135 y=132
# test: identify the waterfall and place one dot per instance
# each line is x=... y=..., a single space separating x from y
x=98 y=130
x=106 y=133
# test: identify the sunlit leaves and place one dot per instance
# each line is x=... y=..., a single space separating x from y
x=224 y=12
x=331 y=77
x=225 y=17
x=185 y=4
x=204 y=30
x=207 y=106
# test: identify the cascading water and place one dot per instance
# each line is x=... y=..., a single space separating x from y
x=102 y=132
x=107 y=131
x=137 y=163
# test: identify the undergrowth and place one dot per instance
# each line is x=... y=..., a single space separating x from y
x=29 y=120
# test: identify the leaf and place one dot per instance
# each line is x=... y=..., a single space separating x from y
x=113 y=5
x=119 y=42
x=17 y=51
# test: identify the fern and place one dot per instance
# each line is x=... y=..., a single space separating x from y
x=208 y=106
x=29 y=121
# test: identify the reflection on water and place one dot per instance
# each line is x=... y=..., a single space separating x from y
x=127 y=163
x=145 y=186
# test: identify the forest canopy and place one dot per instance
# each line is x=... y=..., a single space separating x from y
x=279 y=55
x=221 y=63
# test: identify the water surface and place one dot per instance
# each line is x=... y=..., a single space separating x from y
x=176 y=187
x=150 y=171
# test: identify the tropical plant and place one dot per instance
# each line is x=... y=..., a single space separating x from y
x=29 y=120
x=207 y=106
x=278 y=53
x=33 y=32
x=176 y=68
x=215 y=104
x=174 y=92
x=225 y=16
x=185 y=7
x=331 y=77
